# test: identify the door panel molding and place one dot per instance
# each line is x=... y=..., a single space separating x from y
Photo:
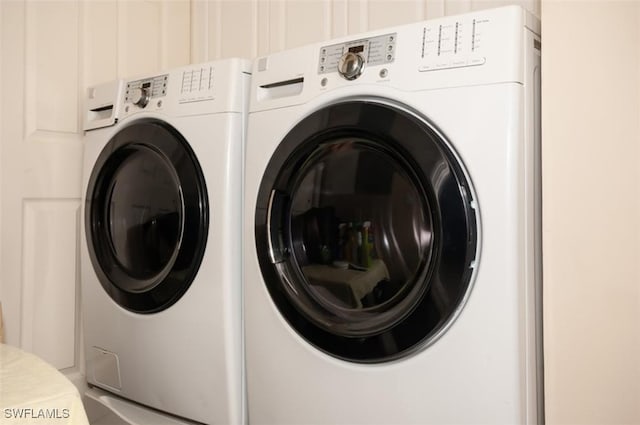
x=51 y=67
x=50 y=279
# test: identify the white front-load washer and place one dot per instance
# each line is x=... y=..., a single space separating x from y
x=161 y=241
x=392 y=227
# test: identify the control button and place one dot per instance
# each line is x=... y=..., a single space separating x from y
x=140 y=97
x=351 y=65
x=384 y=73
x=323 y=82
x=389 y=58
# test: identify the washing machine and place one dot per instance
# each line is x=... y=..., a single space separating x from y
x=161 y=243
x=392 y=226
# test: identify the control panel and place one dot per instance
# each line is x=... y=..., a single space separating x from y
x=477 y=48
x=140 y=92
x=453 y=44
x=350 y=58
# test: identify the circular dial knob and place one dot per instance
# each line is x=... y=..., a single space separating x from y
x=351 y=65
x=140 y=97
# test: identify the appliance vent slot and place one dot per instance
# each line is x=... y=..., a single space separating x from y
x=280 y=89
x=100 y=113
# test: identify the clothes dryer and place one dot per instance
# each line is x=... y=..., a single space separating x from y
x=161 y=241
x=392 y=226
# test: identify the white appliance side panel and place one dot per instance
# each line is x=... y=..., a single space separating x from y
x=532 y=242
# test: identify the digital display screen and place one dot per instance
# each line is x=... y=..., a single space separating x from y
x=357 y=49
x=146 y=85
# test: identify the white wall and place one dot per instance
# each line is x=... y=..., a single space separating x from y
x=591 y=173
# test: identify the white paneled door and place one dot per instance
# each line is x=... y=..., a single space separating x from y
x=41 y=163
x=51 y=51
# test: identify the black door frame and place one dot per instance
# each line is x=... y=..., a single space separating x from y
x=148 y=294
x=441 y=285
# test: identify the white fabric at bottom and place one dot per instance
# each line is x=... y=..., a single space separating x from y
x=32 y=392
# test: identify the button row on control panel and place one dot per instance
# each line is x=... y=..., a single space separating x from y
x=453 y=63
x=150 y=87
x=390 y=47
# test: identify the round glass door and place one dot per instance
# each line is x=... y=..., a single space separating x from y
x=146 y=216
x=365 y=231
